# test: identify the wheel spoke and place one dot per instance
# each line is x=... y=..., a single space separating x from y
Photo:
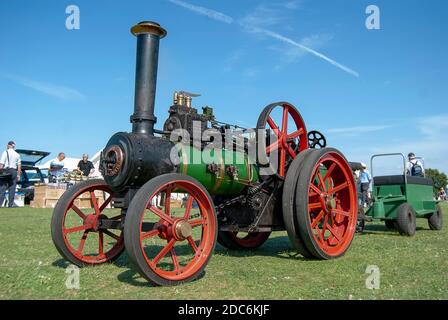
x=291 y=152
x=314 y=205
x=272 y=147
x=316 y=189
x=100 y=244
x=78 y=212
x=330 y=171
x=188 y=206
x=149 y=234
x=321 y=182
x=334 y=233
x=111 y=234
x=282 y=162
x=163 y=252
x=168 y=201
x=76 y=229
x=175 y=260
x=83 y=241
x=162 y=215
x=273 y=126
x=339 y=187
x=317 y=219
x=192 y=244
x=106 y=203
x=197 y=222
x=342 y=213
x=285 y=120
x=295 y=134
x=95 y=203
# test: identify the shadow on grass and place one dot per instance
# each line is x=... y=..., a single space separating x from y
x=279 y=247
x=133 y=278
x=372 y=229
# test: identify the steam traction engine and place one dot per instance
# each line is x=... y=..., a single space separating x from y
x=167 y=206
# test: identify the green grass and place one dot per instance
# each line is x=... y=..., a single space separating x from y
x=411 y=268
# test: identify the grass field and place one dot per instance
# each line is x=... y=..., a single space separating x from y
x=411 y=268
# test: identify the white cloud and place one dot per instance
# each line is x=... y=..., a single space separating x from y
x=58 y=91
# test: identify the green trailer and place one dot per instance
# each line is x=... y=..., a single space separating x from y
x=399 y=199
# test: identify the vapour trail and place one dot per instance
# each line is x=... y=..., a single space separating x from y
x=221 y=17
x=215 y=15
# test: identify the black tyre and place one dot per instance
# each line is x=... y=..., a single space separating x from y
x=289 y=203
x=242 y=240
x=170 y=246
x=390 y=224
x=406 y=220
x=74 y=231
x=326 y=204
x=435 y=221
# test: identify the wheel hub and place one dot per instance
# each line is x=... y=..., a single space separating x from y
x=91 y=221
x=182 y=229
x=330 y=203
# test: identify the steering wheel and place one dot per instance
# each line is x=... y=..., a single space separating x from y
x=316 y=140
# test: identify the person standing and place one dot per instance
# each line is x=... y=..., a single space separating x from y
x=56 y=167
x=86 y=166
x=364 y=180
x=11 y=163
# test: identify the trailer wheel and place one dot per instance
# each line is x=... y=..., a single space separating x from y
x=326 y=204
x=289 y=130
x=406 y=220
x=73 y=229
x=169 y=245
x=435 y=221
x=289 y=203
x=242 y=240
x=390 y=224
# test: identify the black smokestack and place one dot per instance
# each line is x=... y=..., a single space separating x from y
x=148 y=35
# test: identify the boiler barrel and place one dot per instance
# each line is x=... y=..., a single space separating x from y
x=220 y=181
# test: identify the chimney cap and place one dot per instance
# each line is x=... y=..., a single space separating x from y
x=148 y=27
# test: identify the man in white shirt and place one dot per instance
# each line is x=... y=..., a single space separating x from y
x=414 y=167
x=11 y=165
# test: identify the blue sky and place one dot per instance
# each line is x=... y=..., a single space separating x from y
x=64 y=90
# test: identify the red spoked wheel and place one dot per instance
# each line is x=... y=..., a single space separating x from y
x=242 y=240
x=84 y=231
x=326 y=204
x=170 y=230
x=288 y=139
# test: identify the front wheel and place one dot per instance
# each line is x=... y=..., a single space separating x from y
x=85 y=231
x=170 y=243
x=406 y=220
x=435 y=221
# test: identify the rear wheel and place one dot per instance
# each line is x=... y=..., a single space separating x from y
x=326 y=204
x=242 y=240
x=289 y=203
x=169 y=244
x=435 y=221
x=406 y=220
